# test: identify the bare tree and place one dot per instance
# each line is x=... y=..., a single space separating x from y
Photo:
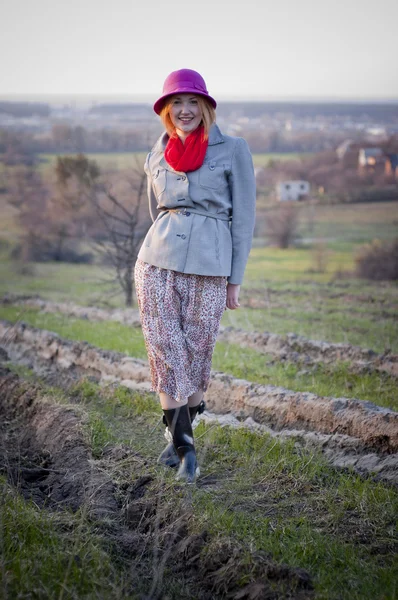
x=108 y=211
x=125 y=224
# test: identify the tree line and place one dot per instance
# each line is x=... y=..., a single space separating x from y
x=68 y=138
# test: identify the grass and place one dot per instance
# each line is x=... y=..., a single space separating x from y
x=316 y=305
x=59 y=282
x=293 y=264
x=337 y=327
x=51 y=555
x=108 y=335
x=333 y=380
x=264 y=494
x=341 y=227
x=291 y=504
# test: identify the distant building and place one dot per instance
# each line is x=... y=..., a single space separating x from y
x=391 y=166
x=292 y=190
x=371 y=159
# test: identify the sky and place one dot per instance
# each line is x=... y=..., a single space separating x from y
x=244 y=49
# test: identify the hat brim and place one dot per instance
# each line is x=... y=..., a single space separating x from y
x=157 y=107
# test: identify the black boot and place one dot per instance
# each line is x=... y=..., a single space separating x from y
x=179 y=424
x=169 y=456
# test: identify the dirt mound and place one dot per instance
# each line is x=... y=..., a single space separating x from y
x=44 y=454
x=350 y=433
x=127 y=316
x=276 y=407
x=290 y=347
x=220 y=571
x=298 y=349
x=280 y=408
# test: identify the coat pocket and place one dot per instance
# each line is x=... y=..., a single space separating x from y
x=212 y=176
x=159 y=181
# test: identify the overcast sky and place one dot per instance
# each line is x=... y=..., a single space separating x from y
x=255 y=49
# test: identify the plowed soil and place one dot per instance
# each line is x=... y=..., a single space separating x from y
x=44 y=455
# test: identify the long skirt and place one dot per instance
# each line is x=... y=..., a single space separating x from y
x=180 y=318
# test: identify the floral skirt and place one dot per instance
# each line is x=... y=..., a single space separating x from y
x=180 y=317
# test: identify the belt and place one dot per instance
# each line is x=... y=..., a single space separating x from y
x=187 y=211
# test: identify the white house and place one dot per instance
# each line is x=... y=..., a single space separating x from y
x=293 y=190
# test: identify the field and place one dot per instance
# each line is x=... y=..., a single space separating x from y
x=123 y=160
x=297 y=496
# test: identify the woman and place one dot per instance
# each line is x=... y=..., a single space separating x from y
x=201 y=190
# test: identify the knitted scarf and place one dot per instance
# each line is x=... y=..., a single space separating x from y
x=189 y=156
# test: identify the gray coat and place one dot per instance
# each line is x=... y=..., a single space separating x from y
x=203 y=220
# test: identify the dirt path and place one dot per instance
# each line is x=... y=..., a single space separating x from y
x=289 y=348
x=350 y=432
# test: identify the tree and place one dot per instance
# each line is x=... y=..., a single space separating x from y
x=126 y=223
x=30 y=196
x=112 y=214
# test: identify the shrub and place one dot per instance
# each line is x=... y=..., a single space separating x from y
x=319 y=257
x=378 y=261
x=37 y=248
x=281 y=226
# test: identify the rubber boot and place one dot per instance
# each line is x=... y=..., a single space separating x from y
x=169 y=456
x=179 y=424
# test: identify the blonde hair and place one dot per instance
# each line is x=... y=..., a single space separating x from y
x=208 y=115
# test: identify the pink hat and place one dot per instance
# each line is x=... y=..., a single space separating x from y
x=184 y=81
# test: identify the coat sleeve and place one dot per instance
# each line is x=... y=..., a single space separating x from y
x=151 y=194
x=242 y=184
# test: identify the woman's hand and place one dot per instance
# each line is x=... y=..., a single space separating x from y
x=233 y=290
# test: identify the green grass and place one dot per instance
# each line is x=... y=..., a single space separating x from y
x=60 y=282
x=334 y=380
x=267 y=495
x=293 y=264
x=108 y=335
x=51 y=555
x=338 y=327
x=291 y=504
x=341 y=227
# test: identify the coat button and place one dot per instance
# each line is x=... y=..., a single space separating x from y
x=187 y=214
x=183 y=178
x=183 y=236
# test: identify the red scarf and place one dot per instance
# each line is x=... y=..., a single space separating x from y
x=189 y=156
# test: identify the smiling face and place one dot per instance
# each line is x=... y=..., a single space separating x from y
x=185 y=114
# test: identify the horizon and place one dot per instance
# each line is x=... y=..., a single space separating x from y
x=84 y=100
x=305 y=51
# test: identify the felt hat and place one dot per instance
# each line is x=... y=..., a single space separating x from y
x=183 y=81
